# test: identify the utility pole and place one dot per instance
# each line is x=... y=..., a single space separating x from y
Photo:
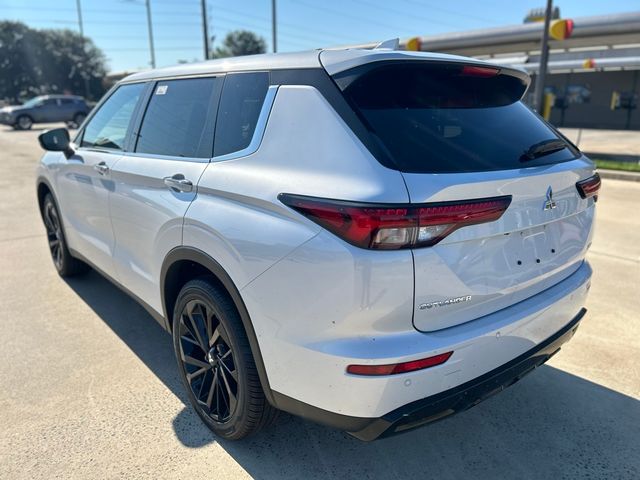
x=150 y=28
x=81 y=27
x=205 y=29
x=79 y=7
x=544 y=58
x=274 y=30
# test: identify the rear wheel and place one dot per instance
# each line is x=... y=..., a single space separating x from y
x=78 y=119
x=216 y=364
x=24 y=122
x=65 y=263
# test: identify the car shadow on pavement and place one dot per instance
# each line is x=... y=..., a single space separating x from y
x=550 y=425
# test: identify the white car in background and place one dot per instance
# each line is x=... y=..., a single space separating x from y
x=370 y=239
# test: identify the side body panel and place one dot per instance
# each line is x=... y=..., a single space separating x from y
x=147 y=218
x=83 y=196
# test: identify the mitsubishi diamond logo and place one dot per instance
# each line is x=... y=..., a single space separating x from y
x=549 y=204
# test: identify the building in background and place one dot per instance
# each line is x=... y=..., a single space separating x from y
x=593 y=78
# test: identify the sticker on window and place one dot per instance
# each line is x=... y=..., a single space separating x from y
x=162 y=89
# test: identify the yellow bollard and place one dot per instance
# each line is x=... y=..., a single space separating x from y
x=549 y=100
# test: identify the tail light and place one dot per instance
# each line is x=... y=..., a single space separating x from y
x=477 y=71
x=395 y=368
x=589 y=187
x=395 y=226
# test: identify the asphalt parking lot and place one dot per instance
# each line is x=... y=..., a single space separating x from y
x=89 y=388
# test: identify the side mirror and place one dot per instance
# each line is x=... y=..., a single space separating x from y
x=57 y=140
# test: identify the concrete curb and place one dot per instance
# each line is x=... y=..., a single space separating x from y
x=619 y=175
x=616 y=157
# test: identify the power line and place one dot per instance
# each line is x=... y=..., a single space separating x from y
x=265 y=28
x=403 y=13
x=284 y=24
x=457 y=13
x=338 y=13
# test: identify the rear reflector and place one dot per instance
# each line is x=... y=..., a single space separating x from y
x=589 y=187
x=395 y=368
x=396 y=226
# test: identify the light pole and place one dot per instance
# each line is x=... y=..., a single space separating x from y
x=544 y=57
x=81 y=27
x=150 y=28
x=274 y=31
x=205 y=29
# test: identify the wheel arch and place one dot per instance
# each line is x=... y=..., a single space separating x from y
x=42 y=188
x=185 y=263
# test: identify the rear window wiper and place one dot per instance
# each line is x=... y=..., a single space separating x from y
x=543 y=148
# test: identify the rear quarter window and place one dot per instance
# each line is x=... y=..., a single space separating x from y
x=242 y=98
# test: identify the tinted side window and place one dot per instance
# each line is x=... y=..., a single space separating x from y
x=108 y=127
x=240 y=105
x=66 y=101
x=179 y=119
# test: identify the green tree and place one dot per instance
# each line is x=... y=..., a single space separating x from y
x=35 y=62
x=240 y=42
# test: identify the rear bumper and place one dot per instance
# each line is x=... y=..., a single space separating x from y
x=468 y=394
x=443 y=404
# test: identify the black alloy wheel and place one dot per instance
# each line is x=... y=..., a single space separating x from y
x=66 y=265
x=208 y=360
x=216 y=363
x=54 y=233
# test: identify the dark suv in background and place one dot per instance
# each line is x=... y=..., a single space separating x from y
x=70 y=109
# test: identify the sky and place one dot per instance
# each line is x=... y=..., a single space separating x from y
x=119 y=27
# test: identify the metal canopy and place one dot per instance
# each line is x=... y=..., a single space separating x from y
x=602 y=30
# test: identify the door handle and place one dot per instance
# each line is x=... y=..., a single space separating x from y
x=178 y=183
x=102 y=168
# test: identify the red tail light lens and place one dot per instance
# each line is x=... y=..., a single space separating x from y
x=395 y=368
x=477 y=71
x=589 y=187
x=392 y=227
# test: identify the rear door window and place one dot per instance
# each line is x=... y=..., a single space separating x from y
x=447 y=118
x=240 y=105
x=180 y=118
x=108 y=127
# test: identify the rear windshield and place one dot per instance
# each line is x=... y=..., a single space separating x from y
x=450 y=118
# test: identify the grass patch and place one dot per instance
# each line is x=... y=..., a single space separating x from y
x=617 y=165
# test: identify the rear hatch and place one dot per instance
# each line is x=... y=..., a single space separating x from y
x=458 y=132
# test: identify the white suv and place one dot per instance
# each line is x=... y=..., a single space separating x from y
x=370 y=239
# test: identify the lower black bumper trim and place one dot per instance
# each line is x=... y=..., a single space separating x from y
x=467 y=395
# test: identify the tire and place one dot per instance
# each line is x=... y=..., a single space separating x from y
x=78 y=119
x=66 y=265
x=24 y=122
x=216 y=364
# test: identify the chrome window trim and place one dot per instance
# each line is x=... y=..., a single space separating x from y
x=157 y=156
x=110 y=151
x=258 y=133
